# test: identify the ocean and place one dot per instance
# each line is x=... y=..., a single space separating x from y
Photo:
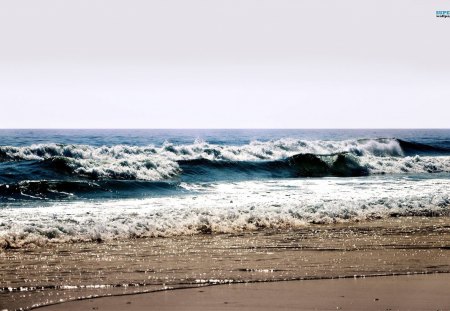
x=86 y=213
x=81 y=185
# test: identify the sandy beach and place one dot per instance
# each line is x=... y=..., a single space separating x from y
x=418 y=292
x=323 y=259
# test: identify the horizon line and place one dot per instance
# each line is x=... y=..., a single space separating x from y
x=225 y=128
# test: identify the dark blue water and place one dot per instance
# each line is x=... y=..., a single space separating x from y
x=91 y=164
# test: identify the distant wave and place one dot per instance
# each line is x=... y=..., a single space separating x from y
x=279 y=158
x=413 y=148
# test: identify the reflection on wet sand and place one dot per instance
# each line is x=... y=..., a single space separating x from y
x=60 y=272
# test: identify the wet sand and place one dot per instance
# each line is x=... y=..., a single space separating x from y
x=64 y=272
x=418 y=292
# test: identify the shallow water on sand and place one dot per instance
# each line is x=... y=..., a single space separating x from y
x=60 y=272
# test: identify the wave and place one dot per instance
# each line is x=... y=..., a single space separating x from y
x=299 y=165
x=414 y=148
x=198 y=171
x=61 y=185
x=226 y=208
x=341 y=164
x=279 y=158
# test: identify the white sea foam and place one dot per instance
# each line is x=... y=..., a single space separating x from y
x=227 y=207
x=415 y=164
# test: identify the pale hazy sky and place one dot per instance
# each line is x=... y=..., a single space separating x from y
x=224 y=64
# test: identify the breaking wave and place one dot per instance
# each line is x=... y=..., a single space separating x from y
x=57 y=171
x=226 y=208
x=156 y=163
x=68 y=193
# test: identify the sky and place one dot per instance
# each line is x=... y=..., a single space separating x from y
x=224 y=64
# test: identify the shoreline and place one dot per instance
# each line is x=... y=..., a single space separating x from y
x=63 y=273
x=376 y=292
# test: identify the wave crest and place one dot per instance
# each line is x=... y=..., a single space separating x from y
x=163 y=162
